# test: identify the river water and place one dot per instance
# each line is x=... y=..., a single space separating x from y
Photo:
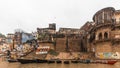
x=5 y=64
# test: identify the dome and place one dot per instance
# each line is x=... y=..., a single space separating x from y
x=105 y=14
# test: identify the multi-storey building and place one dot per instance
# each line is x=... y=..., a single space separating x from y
x=22 y=37
x=65 y=39
x=104 y=37
x=45 y=34
x=9 y=38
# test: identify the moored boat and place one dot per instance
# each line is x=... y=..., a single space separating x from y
x=41 y=61
x=108 y=61
x=58 y=61
x=51 y=61
x=66 y=62
x=24 y=61
x=12 y=60
x=112 y=61
x=86 y=61
x=105 y=61
x=74 y=61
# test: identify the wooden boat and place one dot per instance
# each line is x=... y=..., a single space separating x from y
x=66 y=62
x=51 y=61
x=24 y=61
x=74 y=61
x=104 y=61
x=107 y=61
x=111 y=62
x=11 y=60
x=86 y=61
x=41 y=61
x=58 y=61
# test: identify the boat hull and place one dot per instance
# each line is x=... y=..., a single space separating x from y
x=41 y=61
x=50 y=61
x=106 y=61
x=66 y=62
x=58 y=61
x=11 y=60
x=74 y=61
x=111 y=62
x=24 y=61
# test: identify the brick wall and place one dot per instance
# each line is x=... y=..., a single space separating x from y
x=60 y=44
x=116 y=48
x=103 y=47
x=73 y=44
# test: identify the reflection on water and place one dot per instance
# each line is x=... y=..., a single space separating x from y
x=45 y=65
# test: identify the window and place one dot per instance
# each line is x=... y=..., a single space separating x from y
x=100 y=36
x=105 y=35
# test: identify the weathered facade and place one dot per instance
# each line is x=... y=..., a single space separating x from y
x=99 y=36
x=104 y=36
x=45 y=34
x=84 y=42
x=69 y=31
x=21 y=37
x=66 y=39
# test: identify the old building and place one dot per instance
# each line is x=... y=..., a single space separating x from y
x=45 y=34
x=9 y=38
x=97 y=36
x=26 y=37
x=2 y=38
x=104 y=37
x=18 y=36
x=84 y=42
x=69 y=31
x=67 y=39
x=22 y=37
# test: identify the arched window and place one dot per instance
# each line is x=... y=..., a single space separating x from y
x=93 y=36
x=105 y=35
x=100 y=36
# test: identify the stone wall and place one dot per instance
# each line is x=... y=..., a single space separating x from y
x=73 y=44
x=116 y=48
x=103 y=47
x=60 y=44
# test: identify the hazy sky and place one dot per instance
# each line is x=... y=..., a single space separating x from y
x=30 y=14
